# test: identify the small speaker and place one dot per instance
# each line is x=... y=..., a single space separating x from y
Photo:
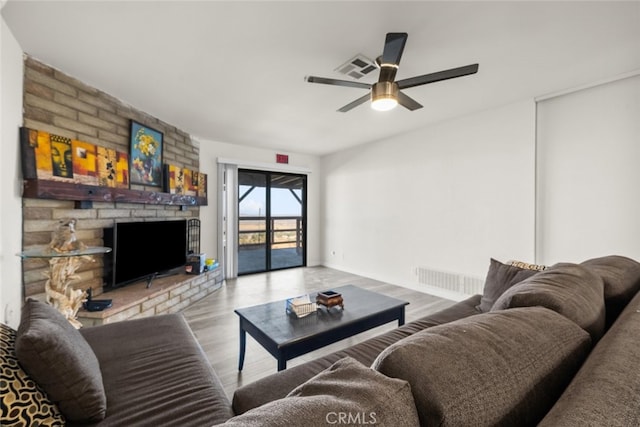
x=95 y=304
x=195 y=263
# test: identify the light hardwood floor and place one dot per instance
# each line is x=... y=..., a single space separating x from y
x=216 y=326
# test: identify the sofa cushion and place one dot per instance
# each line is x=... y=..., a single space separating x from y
x=154 y=371
x=569 y=289
x=346 y=393
x=501 y=277
x=605 y=390
x=621 y=277
x=498 y=368
x=24 y=403
x=57 y=357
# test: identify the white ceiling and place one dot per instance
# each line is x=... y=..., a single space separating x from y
x=234 y=71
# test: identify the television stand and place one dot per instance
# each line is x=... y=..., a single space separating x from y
x=150 y=279
x=162 y=274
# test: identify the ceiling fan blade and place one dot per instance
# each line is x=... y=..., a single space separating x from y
x=390 y=59
x=335 y=82
x=355 y=103
x=408 y=102
x=393 y=48
x=439 y=76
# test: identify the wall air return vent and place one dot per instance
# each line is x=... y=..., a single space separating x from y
x=357 y=67
x=449 y=282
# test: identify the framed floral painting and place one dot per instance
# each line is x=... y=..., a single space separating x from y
x=145 y=155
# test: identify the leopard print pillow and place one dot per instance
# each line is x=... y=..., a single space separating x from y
x=527 y=266
x=23 y=402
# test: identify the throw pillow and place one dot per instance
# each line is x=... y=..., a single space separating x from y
x=347 y=393
x=569 y=289
x=23 y=402
x=500 y=278
x=498 y=368
x=621 y=276
x=527 y=266
x=58 y=358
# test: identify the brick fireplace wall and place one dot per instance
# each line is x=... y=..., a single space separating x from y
x=60 y=104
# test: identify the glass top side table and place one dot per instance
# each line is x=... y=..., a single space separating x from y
x=50 y=253
x=62 y=268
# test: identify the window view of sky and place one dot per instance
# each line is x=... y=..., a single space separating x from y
x=282 y=202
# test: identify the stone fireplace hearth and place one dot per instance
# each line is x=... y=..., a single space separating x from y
x=165 y=295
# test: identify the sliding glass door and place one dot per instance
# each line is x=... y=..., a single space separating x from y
x=271 y=221
x=287 y=220
x=252 y=222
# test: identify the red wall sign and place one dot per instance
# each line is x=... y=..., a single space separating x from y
x=282 y=158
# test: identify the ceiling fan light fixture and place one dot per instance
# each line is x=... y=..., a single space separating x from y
x=384 y=96
x=384 y=104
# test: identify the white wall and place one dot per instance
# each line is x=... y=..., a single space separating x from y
x=210 y=151
x=589 y=173
x=447 y=197
x=11 y=66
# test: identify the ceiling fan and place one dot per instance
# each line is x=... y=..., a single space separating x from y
x=385 y=94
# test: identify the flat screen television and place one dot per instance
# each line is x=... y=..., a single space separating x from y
x=144 y=250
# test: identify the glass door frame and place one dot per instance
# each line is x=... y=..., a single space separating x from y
x=270 y=232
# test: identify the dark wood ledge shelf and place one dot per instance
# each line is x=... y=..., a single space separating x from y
x=43 y=189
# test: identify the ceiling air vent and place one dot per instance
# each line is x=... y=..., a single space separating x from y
x=357 y=67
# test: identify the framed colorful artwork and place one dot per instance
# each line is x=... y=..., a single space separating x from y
x=107 y=161
x=195 y=181
x=44 y=163
x=190 y=189
x=85 y=163
x=179 y=175
x=202 y=185
x=173 y=179
x=145 y=155
x=28 y=144
x=168 y=179
x=61 y=156
x=46 y=156
x=122 y=170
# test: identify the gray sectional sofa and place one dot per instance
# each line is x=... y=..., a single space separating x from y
x=556 y=347
x=144 y=372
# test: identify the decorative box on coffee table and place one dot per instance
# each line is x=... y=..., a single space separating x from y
x=330 y=299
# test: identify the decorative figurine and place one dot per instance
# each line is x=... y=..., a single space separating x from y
x=63 y=238
x=59 y=292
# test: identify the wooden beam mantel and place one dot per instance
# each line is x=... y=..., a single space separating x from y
x=44 y=189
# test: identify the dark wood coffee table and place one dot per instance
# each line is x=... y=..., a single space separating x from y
x=286 y=337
